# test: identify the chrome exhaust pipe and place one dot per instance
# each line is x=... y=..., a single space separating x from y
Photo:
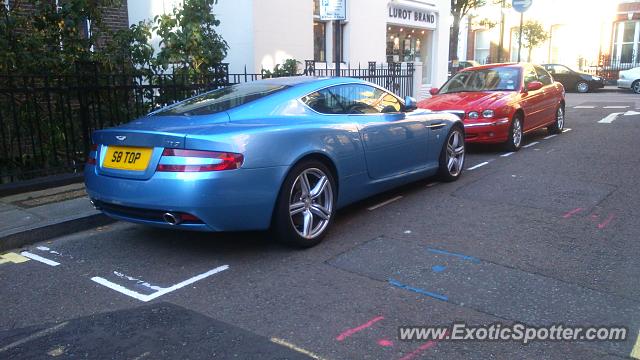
x=95 y=206
x=171 y=218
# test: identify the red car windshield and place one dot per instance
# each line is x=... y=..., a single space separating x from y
x=491 y=79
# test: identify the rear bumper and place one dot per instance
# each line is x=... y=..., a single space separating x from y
x=487 y=132
x=234 y=200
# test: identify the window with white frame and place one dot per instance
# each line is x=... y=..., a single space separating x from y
x=625 y=42
x=482 y=46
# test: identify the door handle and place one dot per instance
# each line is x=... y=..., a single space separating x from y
x=436 y=126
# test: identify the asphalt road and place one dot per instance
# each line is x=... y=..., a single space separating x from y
x=544 y=236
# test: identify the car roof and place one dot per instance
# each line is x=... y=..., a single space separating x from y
x=489 y=66
x=298 y=80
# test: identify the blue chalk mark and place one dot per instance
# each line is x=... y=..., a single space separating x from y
x=461 y=256
x=417 y=290
x=438 y=268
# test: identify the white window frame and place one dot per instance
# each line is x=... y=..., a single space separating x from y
x=618 y=42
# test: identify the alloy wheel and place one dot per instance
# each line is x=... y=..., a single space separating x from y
x=455 y=153
x=583 y=87
x=517 y=132
x=636 y=87
x=560 y=118
x=311 y=203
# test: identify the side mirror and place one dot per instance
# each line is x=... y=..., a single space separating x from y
x=534 y=85
x=434 y=91
x=410 y=103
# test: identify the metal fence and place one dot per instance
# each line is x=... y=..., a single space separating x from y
x=609 y=69
x=46 y=120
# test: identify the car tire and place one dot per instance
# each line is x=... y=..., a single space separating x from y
x=451 y=161
x=558 y=124
x=514 y=141
x=635 y=87
x=302 y=218
x=582 y=87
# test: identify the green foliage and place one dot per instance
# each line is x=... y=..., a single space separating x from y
x=533 y=35
x=53 y=40
x=289 y=68
x=189 y=39
x=49 y=39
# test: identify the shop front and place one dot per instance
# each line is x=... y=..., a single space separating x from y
x=410 y=35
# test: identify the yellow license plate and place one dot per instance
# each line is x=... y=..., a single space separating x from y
x=127 y=158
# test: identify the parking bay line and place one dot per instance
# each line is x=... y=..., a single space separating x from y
x=384 y=203
x=550 y=136
x=296 y=348
x=635 y=352
x=566 y=130
x=584 y=107
x=145 y=298
x=39 y=258
x=34 y=336
x=479 y=165
x=532 y=144
x=616 y=107
x=507 y=154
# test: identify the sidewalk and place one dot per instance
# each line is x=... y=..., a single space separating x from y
x=36 y=216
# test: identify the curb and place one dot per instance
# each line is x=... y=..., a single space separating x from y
x=32 y=236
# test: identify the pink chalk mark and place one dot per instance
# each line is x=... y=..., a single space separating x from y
x=604 y=224
x=422 y=348
x=350 y=332
x=385 y=342
x=572 y=212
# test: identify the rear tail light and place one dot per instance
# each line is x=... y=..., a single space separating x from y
x=178 y=160
x=93 y=153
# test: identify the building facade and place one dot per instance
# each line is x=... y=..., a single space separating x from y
x=579 y=32
x=625 y=33
x=262 y=34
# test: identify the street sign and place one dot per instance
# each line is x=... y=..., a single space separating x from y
x=333 y=9
x=521 y=5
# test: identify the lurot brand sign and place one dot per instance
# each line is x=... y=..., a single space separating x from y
x=411 y=17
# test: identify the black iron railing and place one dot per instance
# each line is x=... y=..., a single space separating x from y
x=46 y=120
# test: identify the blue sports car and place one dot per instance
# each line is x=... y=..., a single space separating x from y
x=280 y=153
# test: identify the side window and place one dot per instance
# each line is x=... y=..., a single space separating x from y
x=324 y=102
x=543 y=76
x=561 y=70
x=529 y=76
x=353 y=99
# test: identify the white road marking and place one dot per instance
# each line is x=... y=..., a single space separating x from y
x=616 y=107
x=550 y=136
x=507 y=154
x=34 y=336
x=609 y=118
x=584 y=107
x=477 y=166
x=566 y=130
x=384 y=203
x=163 y=291
x=631 y=113
x=532 y=144
x=39 y=258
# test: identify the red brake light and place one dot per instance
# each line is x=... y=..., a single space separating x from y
x=230 y=161
x=91 y=158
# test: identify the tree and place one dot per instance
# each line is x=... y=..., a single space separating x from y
x=459 y=8
x=188 y=38
x=533 y=35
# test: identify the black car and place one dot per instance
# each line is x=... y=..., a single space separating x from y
x=574 y=80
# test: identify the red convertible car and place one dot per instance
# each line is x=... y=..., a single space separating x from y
x=500 y=102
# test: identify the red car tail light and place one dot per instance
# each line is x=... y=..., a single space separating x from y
x=227 y=161
x=91 y=158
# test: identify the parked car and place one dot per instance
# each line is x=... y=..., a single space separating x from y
x=574 y=80
x=500 y=102
x=462 y=64
x=282 y=153
x=630 y=79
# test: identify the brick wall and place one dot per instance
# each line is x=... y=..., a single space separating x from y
x=625 y=8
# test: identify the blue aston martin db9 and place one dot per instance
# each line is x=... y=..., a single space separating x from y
x=280 y=153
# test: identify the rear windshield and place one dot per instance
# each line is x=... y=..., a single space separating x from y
x=223 y=99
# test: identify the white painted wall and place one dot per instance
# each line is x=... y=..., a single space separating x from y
x=283 y=29
x=366 y=32
x=237 y=28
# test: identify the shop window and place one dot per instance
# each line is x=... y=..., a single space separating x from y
x=404 y=44
x=482 y=46
x=319 y=41
x=625 y=46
